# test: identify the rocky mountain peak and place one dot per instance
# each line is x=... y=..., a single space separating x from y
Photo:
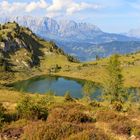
x=50 y=28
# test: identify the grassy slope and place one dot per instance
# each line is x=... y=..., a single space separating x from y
x=95 y=71
x=113 y=124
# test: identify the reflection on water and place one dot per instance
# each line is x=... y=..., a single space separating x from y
x=59 y=85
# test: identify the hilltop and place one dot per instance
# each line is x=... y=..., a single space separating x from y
x=22 y=48
x=21 y=51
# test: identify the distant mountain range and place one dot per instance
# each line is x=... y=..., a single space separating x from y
x=80 y=39
x=89 y=51
x=134 y=33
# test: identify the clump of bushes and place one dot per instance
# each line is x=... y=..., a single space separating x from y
x=119 y=123
x=57 y=113
x=48 y=99
x=50 y=130
x=78 y=117
x=12 y=133
x=109 y=116
x=30 y=109
x=118 y=106
x=72 y=59
x=68 y=97
x=69 y=106
x=2 y=114
x=92 y=134
x=14 y=130
x=105 y=116
x=62 y=130
x=136 y=131
x=122 y=127
x=55 y=68
x=69 y=115
x=2 y=110
x=95 y=104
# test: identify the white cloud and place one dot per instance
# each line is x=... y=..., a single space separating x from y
x=81 y=6
x=69 y=7
x=42 y=4
x=5 y=6
x=56 y=8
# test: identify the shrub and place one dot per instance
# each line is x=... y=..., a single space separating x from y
x=57 y=114
x=88 y=89
x=1 y=38
x=70 y=105
x=9 y=117
x=69 y=115
x=136 y=131
x=117 y=106
x=62 y=130
x=78 y=117
x=2 y=110
x=109 y=116
x=30 y=109
x=55 y=68
x=38 y=112
x=12 y=133
x=23 y=107
x=92 y=134
x=48 y=99
x=122 y=127
x=94 y=104
x=2 y=113
x=68 y=97
x=50 y=131
x=105 y=116
x=72 y=59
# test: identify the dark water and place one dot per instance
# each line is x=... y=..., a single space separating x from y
x=58 y=85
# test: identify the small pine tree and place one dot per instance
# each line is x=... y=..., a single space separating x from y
x=97 y=57
x=88 y=90
x=113 y=84
x=68 y=96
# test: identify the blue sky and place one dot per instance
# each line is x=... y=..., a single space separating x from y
x=110 y=15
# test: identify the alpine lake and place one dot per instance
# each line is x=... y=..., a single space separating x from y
x=57 y=85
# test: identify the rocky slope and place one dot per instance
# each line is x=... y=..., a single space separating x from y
x=21 y=49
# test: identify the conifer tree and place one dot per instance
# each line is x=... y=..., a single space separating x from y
x=113 y=84
x=88 y=89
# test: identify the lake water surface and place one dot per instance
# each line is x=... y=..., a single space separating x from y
x=59 y=85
